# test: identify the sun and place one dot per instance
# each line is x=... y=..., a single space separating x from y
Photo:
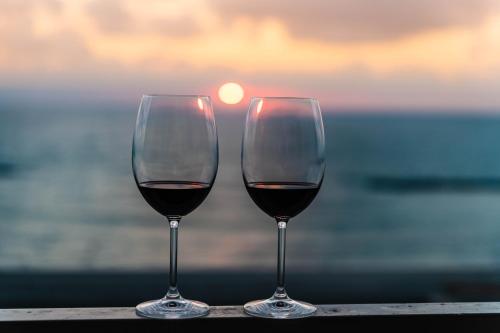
x=231 y=93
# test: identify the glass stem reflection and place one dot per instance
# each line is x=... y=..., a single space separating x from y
x=280 y=292
x=173 y=293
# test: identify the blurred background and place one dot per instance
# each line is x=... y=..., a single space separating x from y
x=410 y=206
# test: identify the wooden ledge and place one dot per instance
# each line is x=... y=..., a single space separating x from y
x=459 y=316
x=220 y=312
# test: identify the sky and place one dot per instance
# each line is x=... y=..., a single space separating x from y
x=385 y=54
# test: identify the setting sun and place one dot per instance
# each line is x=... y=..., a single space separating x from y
x=231 y=93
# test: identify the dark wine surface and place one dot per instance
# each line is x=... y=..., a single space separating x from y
x=174 y=198
x=282 y=199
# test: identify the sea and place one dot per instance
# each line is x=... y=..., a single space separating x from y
x=402 y=191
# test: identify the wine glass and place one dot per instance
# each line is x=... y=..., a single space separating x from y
x=283 y=162
x=175 y=159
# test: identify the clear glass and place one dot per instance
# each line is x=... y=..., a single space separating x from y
x=283 y=162
x=175 y=160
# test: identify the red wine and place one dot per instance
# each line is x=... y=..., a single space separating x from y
x=282 y=199
x=174 y=198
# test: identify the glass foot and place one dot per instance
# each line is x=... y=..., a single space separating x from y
x=165 y=308
x=279 y=308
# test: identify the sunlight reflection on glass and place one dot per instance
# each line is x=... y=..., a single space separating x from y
x=259 y=106
x=200 y=104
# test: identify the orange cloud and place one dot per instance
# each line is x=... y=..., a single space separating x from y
x=360 y=20
x=253 y=41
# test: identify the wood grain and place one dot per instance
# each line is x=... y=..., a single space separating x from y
x=221 y=312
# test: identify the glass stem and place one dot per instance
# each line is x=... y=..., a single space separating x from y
x=173 y=293
x=280 y=292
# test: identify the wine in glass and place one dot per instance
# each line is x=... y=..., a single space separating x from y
x=283 y=165
x=175 y=159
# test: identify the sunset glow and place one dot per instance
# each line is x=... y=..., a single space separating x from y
x=231 y=93
x=345 y=53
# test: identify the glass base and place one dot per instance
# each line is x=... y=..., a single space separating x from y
x=165 y=308
x=279 y=308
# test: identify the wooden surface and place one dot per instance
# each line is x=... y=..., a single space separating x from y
x=221 y=312
x=390 y=317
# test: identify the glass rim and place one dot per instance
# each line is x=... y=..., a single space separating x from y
x=176 y=95
x=284 y=97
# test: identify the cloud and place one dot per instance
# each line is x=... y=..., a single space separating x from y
x=379 y=52
x=110 y=16
x=38 y=36
x=360 y=20
x=190 y=34
x=123 y=17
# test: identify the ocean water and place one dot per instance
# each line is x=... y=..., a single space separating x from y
x=401 y=191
